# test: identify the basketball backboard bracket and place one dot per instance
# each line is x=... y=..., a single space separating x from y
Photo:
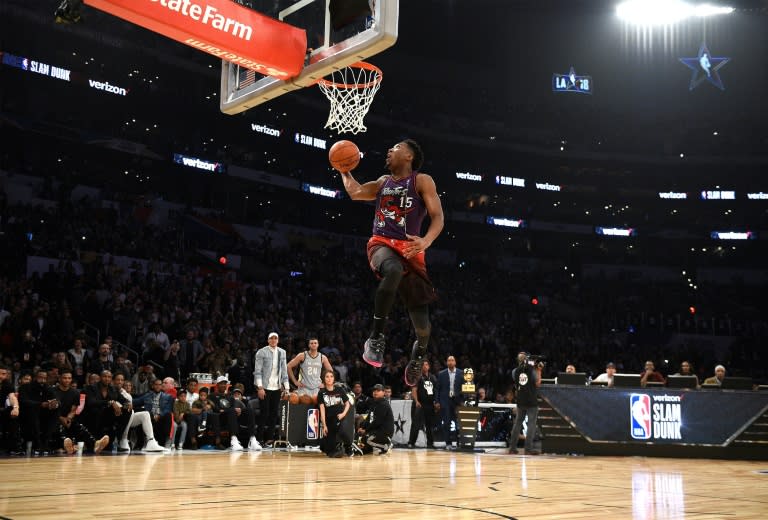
x=242 y=89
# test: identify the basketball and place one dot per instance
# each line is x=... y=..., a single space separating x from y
x=293 y=398
x=344 y=156
x=305 y=399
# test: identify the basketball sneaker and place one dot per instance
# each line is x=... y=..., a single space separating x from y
x=253 y=444
x=153 y=446
x=100 y=444
x=374 y=351
x=413 y=368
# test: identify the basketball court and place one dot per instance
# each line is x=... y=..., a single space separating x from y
x=403 y=484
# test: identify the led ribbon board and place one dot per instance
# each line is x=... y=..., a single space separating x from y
x=220 y=27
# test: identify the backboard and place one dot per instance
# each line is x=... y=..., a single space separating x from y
x=331 y=49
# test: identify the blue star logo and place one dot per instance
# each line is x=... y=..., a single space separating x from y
x=705 y=67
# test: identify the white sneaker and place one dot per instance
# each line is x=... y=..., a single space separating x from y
x=168 y=445
x=124 y=445
x=153 y=446
x=235 y=445
x=254 y=445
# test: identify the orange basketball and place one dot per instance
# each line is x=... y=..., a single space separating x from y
x=344 y=156
x=293 y=398
x=305 y=399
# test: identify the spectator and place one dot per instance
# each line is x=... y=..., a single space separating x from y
x=687 y=370
x=717 y=379
x=38 y=412
x=181 y=410
x=650 y=374
x=607 y=376
x=103 y=412
x=160 y=407
x=70 y=429
x=136 y=419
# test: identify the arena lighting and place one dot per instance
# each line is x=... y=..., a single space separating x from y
x=665 y=12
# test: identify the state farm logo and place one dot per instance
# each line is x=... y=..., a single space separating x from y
x=208 y=15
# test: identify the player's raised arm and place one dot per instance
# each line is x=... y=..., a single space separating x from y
x=357 y=191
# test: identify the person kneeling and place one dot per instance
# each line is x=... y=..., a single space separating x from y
x=334 y=406
x=379 y=426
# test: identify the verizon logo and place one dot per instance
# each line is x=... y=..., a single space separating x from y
x=106 y=87
x=199 y=164
x=208 y=15
x=263 y=129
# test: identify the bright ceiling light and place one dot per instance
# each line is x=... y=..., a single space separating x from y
x=664 y=12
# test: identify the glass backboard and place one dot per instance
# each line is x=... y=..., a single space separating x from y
x=329 y=49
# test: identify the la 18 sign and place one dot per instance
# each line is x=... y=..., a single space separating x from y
x=572 y=82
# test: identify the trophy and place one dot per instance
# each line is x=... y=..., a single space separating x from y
x=468 y=387
x=468 y=414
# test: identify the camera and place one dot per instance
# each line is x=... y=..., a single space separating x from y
x=68 y=12
x=536 y=360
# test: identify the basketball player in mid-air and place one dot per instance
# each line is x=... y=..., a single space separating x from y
x=396 y=250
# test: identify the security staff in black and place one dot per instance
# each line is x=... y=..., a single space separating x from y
x=379 y=426
x=423 y=407
x=527 y=379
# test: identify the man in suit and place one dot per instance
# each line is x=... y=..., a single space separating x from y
x=270 y=375
x=449 y=396
x=717 y=379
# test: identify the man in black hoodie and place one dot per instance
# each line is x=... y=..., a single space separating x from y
x=38 y=412
x=379 y=426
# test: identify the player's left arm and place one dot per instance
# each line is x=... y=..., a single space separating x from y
x=428 y=191
x=326 y=364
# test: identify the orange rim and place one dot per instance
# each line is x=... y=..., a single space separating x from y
x=358 y=65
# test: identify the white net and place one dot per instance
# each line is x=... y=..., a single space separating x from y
x=350 y=91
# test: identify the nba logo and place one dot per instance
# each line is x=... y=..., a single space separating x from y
x=313 y=423
x=640 y=416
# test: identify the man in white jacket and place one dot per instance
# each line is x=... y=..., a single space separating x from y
x=270 y=376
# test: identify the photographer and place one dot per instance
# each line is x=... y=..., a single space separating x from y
x=527 y=379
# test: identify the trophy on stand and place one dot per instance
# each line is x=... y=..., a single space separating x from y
x=468 y=414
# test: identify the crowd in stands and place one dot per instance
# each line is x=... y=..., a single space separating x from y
x=88 y=313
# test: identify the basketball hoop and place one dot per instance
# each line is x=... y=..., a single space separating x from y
x=350 y=91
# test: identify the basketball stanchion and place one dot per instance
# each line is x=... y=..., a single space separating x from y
x=350 y=90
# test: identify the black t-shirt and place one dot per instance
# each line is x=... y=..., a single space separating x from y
x=333 y=400
x=6 y=388
x=425 y=389
x=524 y=378
x=67 y=399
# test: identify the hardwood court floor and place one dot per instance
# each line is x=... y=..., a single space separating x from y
x=413 y=484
